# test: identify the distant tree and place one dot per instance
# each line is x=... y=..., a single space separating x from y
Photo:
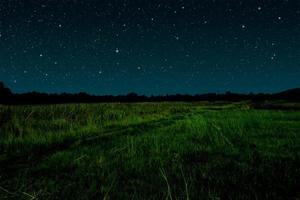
x=4 y=91
x=228 y=93
x=132 y=94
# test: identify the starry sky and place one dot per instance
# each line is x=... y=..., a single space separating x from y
x=150 y=47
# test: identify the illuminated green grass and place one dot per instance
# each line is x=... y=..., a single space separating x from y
x=149 y=151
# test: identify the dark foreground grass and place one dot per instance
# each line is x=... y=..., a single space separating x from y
x=149 y=151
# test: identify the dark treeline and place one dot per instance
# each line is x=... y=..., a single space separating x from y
x=7 y=97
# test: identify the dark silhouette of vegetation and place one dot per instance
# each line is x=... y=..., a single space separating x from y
x=7 y=97
x=4 y=91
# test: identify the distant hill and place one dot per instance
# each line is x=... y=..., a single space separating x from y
x=289 y=94
x=7 y=97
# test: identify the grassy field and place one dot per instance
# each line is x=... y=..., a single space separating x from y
x=166 y=150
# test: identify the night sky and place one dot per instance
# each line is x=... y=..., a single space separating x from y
x=150 y=46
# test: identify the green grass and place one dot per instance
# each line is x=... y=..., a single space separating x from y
x=198 y=150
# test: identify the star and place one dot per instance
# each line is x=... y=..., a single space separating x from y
x=273 y=56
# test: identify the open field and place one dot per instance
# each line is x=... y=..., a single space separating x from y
x=166 y=150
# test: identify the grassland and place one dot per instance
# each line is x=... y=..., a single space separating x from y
x=150 y=151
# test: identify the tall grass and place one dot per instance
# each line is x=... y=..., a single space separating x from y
x=149 y=151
